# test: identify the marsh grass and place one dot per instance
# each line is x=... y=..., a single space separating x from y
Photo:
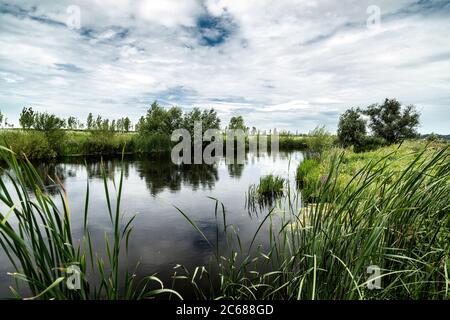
x=388 y=215
x=36 y=234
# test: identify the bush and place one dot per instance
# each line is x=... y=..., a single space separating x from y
x=33 y=145
x=292 y=143
x=319 y=140
x=153 y=143
x=370 y=143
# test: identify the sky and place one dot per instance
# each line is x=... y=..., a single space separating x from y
x=286 y=64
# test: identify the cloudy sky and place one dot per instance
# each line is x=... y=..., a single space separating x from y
x=289 y=64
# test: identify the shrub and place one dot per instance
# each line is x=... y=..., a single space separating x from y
x=319 y=140
x=152 y=143
x=33 y=145
x=369 y=143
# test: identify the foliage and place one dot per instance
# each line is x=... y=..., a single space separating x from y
x=208 y=118
x=42 y=246
x=33 y=145
x=392 y=122
x=268 y=189
x=351 y=128
x=90 y=121
x=26 y=118
x=304 y=168
x=392 y=213
x=369 y=143
x=237 y=122
x=319 y=140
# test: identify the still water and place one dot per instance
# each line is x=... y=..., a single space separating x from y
x=152 y=187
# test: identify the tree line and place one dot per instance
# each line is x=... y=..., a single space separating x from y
x=44 y=121
x=388 y=123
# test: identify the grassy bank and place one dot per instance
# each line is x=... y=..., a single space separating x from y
x=40 y=145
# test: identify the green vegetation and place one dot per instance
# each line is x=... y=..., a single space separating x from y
x=37 y=236
x=319 y=141
x=387 y=208
x=351 y=128
x=269 y=186
x=393 y=213
x=389 y=122
x=237 y=123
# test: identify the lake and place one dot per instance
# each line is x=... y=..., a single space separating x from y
x=152 y=187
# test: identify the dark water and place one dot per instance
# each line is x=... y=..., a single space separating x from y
x=161 y=237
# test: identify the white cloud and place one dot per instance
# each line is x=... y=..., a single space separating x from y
x=294 y=64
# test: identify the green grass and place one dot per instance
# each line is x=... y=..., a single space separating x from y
x=264 y=193
x=37 y=236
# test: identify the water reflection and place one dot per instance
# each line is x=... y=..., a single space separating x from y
x=152 y=187
x=161 y=175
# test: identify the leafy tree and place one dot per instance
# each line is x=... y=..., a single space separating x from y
x=195 y=115
x=48 y=122
x=72 y=123
x=90 y=121
x=1 y=118
x=392 y=122
x=432 y=137
x=126 y=124
x=237 y=123
x=155 y=120
x=174 y=119
x=26 y=118
x=351 y=128
x=208 y=118
x=139 y=124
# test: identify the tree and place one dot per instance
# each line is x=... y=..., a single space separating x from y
x=392 y=122
x=26 y=118
x=195 y=115
x=155 y=120
x=48 y=122
x=237 y=123
x=72 y=123
x=351 y=128
x=139 y=124
x=126 y=123
x=174 y=119
x=90 y=121
x=210 y=120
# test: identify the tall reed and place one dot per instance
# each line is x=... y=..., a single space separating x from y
x=36 y=234
x=388 y=219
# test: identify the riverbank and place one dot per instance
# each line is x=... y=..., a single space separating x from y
x=68 y=143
